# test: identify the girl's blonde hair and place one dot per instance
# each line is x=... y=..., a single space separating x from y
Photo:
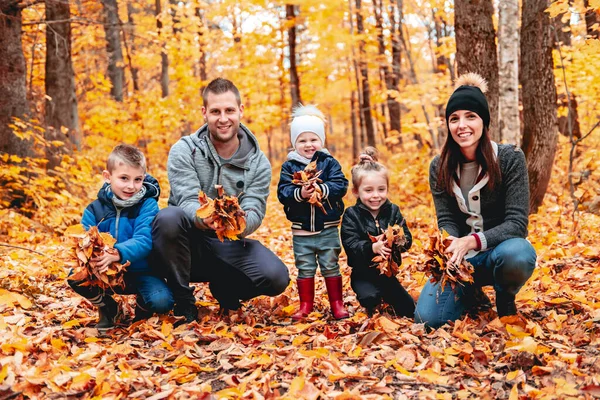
x=368 y=163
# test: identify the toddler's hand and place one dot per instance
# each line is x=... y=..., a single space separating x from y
x=307 y=191
x=379 y=247
x=104 y=260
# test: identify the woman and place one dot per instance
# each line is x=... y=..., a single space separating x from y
x=481 y=195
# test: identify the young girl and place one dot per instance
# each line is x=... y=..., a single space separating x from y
x=316 y=239
x=372 y=214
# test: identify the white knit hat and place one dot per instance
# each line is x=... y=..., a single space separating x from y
x=307 y=119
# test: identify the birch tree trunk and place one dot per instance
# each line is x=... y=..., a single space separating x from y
x=539 y=97
x=476 y=46
x=508 y=100
x=113 y=48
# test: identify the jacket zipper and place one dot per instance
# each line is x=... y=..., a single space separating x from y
x=117 y=225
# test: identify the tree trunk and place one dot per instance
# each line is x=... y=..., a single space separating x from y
x=396 y=72
x=202 y=30
x=508 y=101
x=113 y=48
x=13 y=86
x=384 y=71
x=592 y=20
x=290 y=15
x=130 y=47
x=61 y=100
x=539 y=97
x=365 y=106
x=476 y=46
x=164 y=58
x=356 y=139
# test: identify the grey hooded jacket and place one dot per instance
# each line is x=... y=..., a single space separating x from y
x=195 y=165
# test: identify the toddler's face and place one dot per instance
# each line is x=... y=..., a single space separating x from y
x=307 y=144
x=373 y=191
x=124 y=180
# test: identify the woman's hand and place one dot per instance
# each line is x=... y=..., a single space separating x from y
x=460 y=247
x=104 y=260
x=379 y=247
x=307 y=191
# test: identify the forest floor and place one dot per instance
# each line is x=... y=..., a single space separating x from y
x=49 y=348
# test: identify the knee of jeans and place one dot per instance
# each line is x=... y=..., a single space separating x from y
x=517 y=267
x=168 y=222
x=160 y=302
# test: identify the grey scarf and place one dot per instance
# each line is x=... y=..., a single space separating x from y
x=294 y=155
x=129 y=202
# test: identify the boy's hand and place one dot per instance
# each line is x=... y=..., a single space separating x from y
x=103 y=261
x=379 y=247
x=307 y=191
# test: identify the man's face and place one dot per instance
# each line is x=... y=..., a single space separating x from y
x=222 y=114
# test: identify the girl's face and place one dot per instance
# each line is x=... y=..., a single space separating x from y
x=466 y=128
x=307 y=144
x=372 y=191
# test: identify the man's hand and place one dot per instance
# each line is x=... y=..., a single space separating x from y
x=379 y=247
x=460 y=247
x=307 y=191
x=104 y=260
x=211 y=222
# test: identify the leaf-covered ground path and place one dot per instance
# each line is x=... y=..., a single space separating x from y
x=49 y=350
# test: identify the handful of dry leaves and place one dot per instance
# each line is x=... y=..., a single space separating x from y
x=395 y=240
x=223 y=214
x=439 y=267
x=309 y=176
x=92 y=244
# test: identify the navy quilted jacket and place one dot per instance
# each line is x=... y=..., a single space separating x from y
x=131 y=226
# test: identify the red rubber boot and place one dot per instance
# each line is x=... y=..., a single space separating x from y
x=334 y=291
x=306 y=291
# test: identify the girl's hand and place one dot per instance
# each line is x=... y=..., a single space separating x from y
x=460 y=247
x=307 y=191
x=104 y=260
x=379 y=247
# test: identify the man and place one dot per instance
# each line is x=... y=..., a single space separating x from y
x=222 y=152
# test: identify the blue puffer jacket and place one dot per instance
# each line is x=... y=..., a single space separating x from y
x=302 y=214
x=131 y=226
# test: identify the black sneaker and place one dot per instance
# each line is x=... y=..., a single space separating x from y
x=186 y=310
x=505 y=304
x=107 y=314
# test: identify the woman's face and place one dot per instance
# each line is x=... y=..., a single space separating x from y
x=466 y=128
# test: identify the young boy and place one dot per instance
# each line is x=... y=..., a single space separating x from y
x=315 y=232
x=126 y=207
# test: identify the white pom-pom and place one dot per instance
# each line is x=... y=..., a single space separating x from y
x=308 y=109
x=472 y=79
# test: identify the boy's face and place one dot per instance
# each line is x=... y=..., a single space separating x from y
x=307 y=144
x=125 y=180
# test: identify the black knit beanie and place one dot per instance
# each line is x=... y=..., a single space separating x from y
x=469 y=98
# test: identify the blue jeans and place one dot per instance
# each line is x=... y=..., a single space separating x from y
x=153 y=294
x=506 y=267
x=322 y=249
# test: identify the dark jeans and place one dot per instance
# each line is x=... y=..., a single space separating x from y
x=507 y=267
x=236 y=270
x=152 y=292
x=371 y=287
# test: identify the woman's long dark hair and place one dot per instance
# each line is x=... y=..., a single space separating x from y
x=451 y=157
